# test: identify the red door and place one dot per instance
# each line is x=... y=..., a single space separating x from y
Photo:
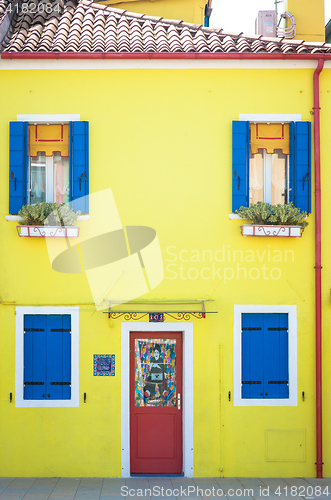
x=156 y=402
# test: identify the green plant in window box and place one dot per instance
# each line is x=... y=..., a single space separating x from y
x=273 y=215
x=47 y=214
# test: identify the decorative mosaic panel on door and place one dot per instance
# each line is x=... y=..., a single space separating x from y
x=155 y=372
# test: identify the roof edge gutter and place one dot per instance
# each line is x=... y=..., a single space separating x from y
x=318 y=270
x=161 y=55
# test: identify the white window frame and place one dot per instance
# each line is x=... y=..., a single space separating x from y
x=20 y=402
x=291 y=311
x=47 y=119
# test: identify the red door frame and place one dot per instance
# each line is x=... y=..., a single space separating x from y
x=157 y=465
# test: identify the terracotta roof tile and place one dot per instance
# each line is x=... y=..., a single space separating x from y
x=258 y=46
x=228 y=44
x=98 y=38
x=200 y=42
x=288 y=49
x=243 y=45
x=214 y=43
x=272 y=48
x=83 y=26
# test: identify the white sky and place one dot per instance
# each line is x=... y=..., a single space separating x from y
x=239 y=15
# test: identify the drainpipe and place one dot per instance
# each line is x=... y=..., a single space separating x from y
x=318 y=268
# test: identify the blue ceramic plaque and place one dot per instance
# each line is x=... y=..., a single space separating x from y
x=104 y=365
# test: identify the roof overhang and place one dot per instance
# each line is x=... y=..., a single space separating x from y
x=162 y=55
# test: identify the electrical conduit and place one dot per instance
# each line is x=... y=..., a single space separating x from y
x=318 y=268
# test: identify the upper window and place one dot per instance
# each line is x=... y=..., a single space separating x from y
x=265 y=355
x=271 y=163
x=48 y=163
x=46 y=356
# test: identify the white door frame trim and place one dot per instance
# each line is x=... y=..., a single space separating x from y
x=187 y=329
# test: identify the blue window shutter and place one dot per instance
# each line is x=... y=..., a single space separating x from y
x=79 y=164
x=252 y=355
x=284 y=359
x=58 y=357
x=240 y=165
x=18 y=162
x=302 y=166
x=275 y=356
x=66 y=353
x=271 y=356
x=34 y=356
x=292 y=168
x=265 y=356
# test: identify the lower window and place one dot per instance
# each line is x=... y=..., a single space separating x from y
x=265 y=355
x=47 y=357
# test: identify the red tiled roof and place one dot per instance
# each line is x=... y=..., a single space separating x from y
x=83 y=26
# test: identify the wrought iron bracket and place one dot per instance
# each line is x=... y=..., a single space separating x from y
x=137 y=316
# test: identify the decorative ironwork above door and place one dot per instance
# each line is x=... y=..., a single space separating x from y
x=158 y=311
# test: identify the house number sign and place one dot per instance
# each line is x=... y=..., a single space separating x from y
x=104 y=365
x=156 y=317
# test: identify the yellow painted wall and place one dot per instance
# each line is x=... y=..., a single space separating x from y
x=309 y=19
x=190 y=11
x=164 y=147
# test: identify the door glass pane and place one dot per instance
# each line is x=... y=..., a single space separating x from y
x=155 y=372
x=37 y=184
x=61 y=178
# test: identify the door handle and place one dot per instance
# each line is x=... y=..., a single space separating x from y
x=178 y=401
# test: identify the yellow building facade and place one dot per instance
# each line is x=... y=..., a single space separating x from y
x=187 y=10
x=160 y=143
x=310 y=28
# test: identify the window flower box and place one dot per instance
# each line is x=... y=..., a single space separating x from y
x=265 y=230
x=48 y=231
x=48 y=220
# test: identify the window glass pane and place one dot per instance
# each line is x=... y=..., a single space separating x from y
x=61 y=178
x=256 y=178
x=268 y=178
x=278 y=179
x=37 y=178
x=155 y=372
